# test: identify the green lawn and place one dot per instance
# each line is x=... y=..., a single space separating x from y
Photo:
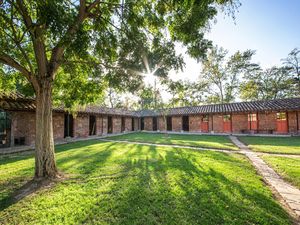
x=286 y=145
x=288 y=168
x=205 y=141
x=116 y=183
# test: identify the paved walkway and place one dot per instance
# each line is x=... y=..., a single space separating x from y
x=289 y=193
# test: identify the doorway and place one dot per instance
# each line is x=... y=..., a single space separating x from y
x=227 y=123
x=109 y=125
x=169 y=123
x=185 y=123
x=204 y=124
x=282 y=125
x=252 y=122
x=122 y=124
x=154 y=123
x=69 y=124
x=132 y=124
x=142 y=124
x=5 y=129
x=92 y=125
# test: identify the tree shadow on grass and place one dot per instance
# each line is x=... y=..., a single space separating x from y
x=20 y=187
x=173 y=189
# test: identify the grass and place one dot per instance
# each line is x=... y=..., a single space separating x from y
x=284 y=145
x=204 y=141
x=116 y=183
x=288 y=168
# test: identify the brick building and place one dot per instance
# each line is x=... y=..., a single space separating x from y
x=17 y=119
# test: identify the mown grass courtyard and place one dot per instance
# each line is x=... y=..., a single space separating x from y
x=120 y=183
x=281 y=145
x=202 y=141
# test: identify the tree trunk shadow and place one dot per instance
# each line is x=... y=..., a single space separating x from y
x=29 y=188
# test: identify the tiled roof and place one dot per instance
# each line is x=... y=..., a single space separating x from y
x=16 y=101
x=93 y=109
x=254 y=106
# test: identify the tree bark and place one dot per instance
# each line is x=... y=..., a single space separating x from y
x=45 y=165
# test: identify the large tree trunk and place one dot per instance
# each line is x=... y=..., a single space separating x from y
x=45 y=166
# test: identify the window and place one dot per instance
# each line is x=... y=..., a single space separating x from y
x=226 y=118
x=252 y=117
x=205 y=118
x=281 y=116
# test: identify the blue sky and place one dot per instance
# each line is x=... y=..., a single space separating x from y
x=271 y=27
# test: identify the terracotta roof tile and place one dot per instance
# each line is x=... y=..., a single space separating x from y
x=16 y=101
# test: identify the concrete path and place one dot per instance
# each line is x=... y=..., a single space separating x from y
x=289 y=193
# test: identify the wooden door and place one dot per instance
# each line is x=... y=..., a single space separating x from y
x=204 y=126
x=282 y=125
x=227 y=123
x=252 y=121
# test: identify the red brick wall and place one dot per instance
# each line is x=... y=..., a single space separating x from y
x=117 y=122
x=148 y=124
x=176 y=123
x=267 y=121
x=195 y=122
x=239 y=122
x=128 y=124
x=99 y=125
x=104 y=118
x=218 y=123
x=24 y=126
x=81 y=125
x=58 y=126
x=161 y=124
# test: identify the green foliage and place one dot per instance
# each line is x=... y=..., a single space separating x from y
x=149 y=98
x=110 y=183
x=100 y=43
x=272 y=83
x=293 y=62
x=222 y=75
x=186 y=93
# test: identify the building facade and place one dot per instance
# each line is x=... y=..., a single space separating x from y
x=17 y=119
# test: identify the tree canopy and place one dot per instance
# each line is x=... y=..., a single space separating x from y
x=71 y=50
